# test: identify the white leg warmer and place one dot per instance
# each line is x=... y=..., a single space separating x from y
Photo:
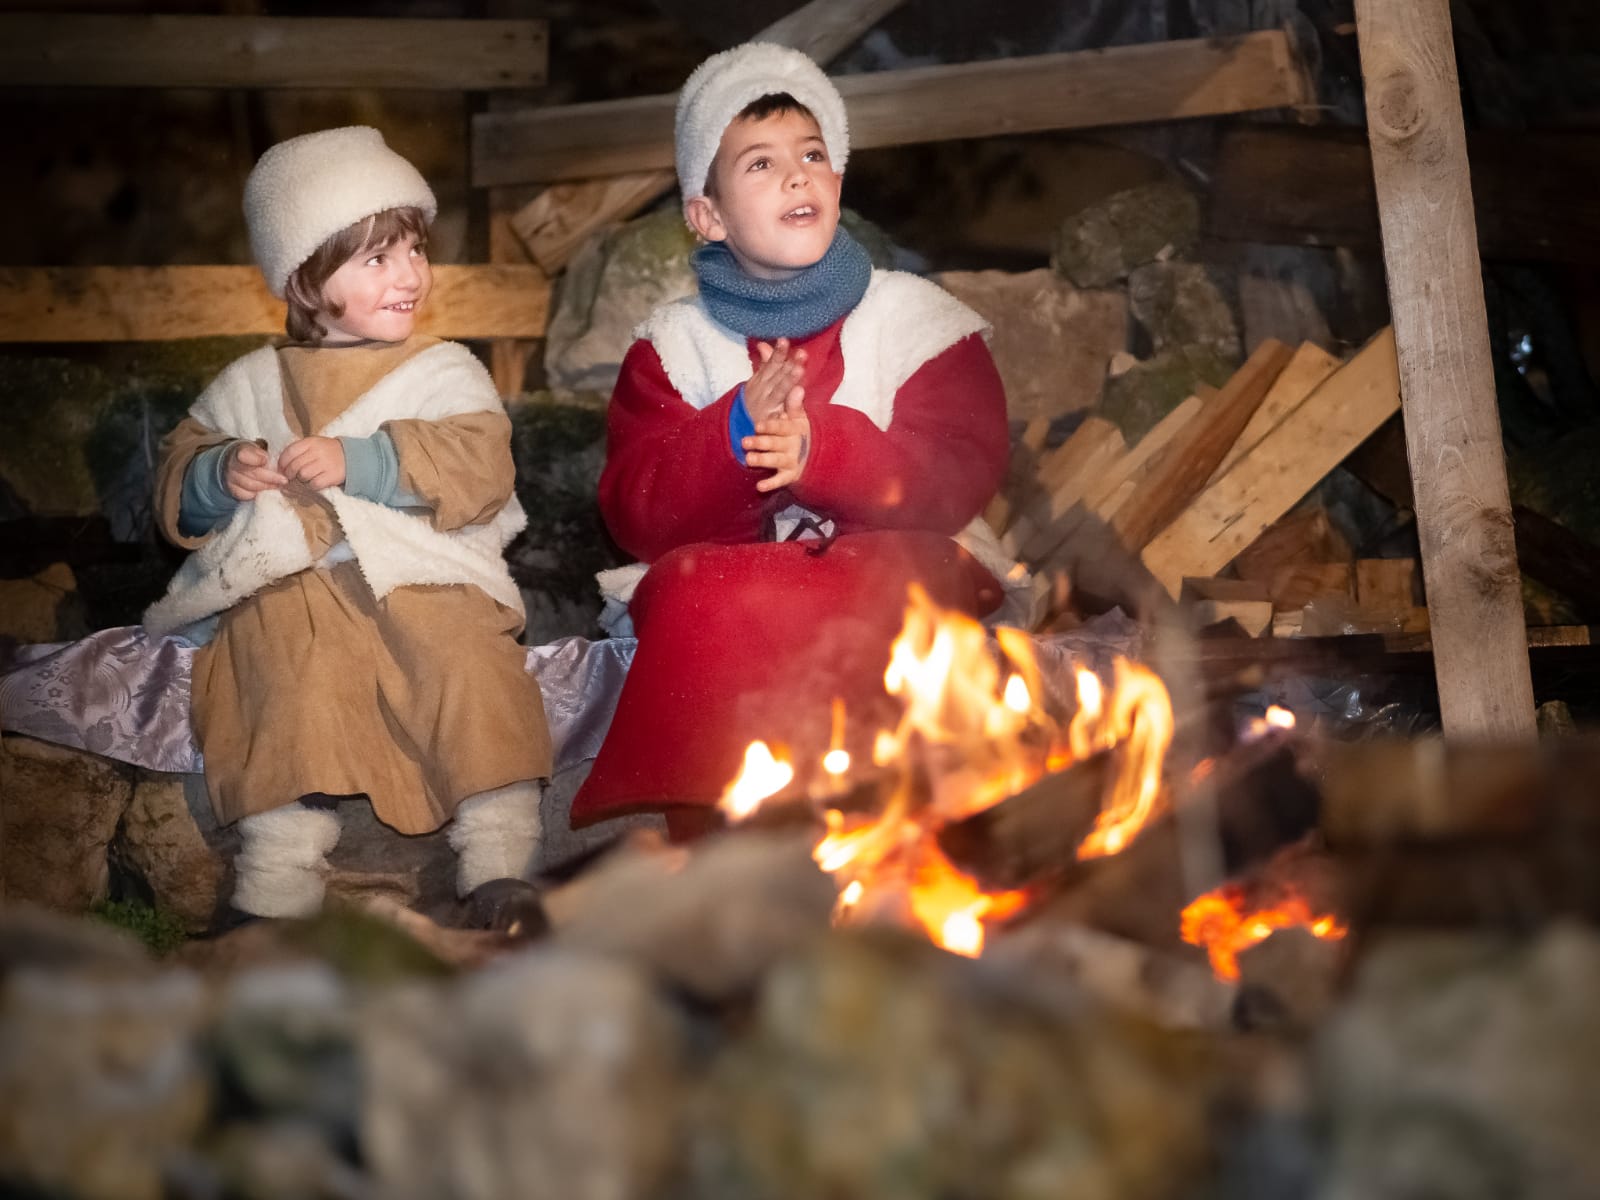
x=281 y=866
x=497 y=834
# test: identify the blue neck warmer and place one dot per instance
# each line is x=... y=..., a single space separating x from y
x=765 y=308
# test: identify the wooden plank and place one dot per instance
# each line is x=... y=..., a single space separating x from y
x=135 y=304
x=1183 y=468
x=1386 y=584
x=1081 y=89
x=1020 y=472
x=86 y=50
x=1310 y=365
x=1115 y=485
x=1063 y=474
x=1458 y=470
x=1303 y=185
x=1286 y=464
x=553 y=224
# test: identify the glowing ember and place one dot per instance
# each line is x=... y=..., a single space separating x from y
x=971 y=733
x=1225 y=924
x=762 y=776
x=1276 y=718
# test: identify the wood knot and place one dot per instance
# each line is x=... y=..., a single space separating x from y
x=1493 y=537
x=1396 y=109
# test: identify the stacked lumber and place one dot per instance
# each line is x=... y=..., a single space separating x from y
x=1209 y=501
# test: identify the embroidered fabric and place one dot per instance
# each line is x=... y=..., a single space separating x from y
x=125 y=694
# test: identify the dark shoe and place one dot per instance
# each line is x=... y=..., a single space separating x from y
x=509 y=906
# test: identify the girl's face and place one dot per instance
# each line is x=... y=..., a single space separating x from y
x=381 y=291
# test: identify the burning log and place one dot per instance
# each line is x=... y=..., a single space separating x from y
x=1034 y=835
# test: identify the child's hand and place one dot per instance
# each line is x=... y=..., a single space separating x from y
x=248 y=473
x=775 y=381
x=783 y=443
x=316 y=461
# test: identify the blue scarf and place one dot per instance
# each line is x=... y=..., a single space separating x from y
x=765 y=308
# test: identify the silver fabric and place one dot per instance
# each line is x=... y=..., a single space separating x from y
x=123 y=694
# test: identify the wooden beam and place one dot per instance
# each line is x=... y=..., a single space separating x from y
x=1310 y=365
x=139 y=304
x=1124 y=85
x=553 y=224
x=84 y=50
x=1271 y=477
x=1458 y=470
x=1306 y=185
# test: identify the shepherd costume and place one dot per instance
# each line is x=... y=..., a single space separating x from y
x=360 y=639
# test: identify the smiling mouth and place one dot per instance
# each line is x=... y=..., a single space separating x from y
x=404 y=306
x=798 y=214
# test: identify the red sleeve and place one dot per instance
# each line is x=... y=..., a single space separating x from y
x=939 y=462
x=670 y=477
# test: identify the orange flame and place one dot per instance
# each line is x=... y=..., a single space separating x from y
x=972 y=719
x=1225 y=924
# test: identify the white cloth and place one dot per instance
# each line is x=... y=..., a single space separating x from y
x=264 y=541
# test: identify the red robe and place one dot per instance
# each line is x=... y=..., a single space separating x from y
x=741 y=638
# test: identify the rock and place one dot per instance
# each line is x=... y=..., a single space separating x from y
x=558 y=440
x=712 y=920
x=882 y=1068
x=1554 y=719
x=1051 y=341
x=1183 y=308
x=1288 y=982
x=279 y=1160
x=170 y=839
x=102 y=1080
x=547 y=1073
x=285 y=1044
x=44 y=608
x=1465 y=1066
x=1284 y=292
x=33 y=938
x=1149 y=389
x=1106 y=241
x=611 y=284
x=617 y=278
x=58 y=811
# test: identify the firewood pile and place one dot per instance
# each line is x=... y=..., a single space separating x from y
x=1206 y=500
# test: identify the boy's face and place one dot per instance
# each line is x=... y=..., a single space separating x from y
x=382 y=290
x=777 y=195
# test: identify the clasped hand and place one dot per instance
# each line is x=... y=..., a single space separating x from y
x=776 y=403
x=318 y=462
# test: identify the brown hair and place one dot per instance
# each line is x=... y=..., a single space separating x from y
x=773 y=104
x=303 y=290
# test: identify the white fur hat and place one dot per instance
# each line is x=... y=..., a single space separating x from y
x=305 y=190
x=722 y=85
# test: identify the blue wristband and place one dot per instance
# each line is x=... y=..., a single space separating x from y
x=740 y=426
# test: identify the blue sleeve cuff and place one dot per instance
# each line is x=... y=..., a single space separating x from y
x=372 y=470
x=204 y=502
x=740 y=426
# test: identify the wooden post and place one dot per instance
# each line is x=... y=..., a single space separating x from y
x=1469 y=558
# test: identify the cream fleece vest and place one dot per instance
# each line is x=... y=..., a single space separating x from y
x=902 y=322
x=264 y=540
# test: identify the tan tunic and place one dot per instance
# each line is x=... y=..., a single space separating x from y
x=312 y=685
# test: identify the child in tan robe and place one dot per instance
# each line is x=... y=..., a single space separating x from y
x=348 y=498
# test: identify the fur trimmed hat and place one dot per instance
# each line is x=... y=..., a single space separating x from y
x=306 y=189
x=722 y=85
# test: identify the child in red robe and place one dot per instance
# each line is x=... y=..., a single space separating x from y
x=788 y=451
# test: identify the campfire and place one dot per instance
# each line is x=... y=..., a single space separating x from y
x=976 y=733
